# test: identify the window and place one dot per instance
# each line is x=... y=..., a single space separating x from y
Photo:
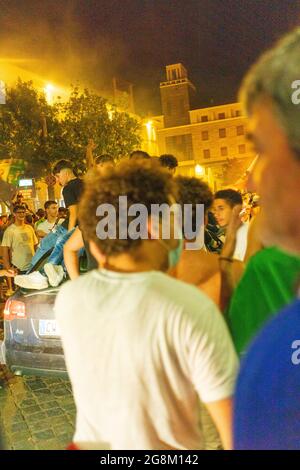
x=242 y=148
x=204 y=135
x=174 y=75
x=224 y=151
x=206 y=153
x=204 y=118
x=240 y=130
x=238 y=113
x=222 y=133
x=221 y=115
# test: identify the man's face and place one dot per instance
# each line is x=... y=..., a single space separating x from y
x=276 y=178
x=20 y=215
x=104 y=166
x=222 y=212
x=62 y=177
x=52 y=210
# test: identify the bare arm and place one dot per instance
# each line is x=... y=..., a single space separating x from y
x=221 y=413
x=89 y=153
x=7 y=272
x=254 y=243
x=231 y=270
x=6 y=257
x=71 y=248
x=73 y=210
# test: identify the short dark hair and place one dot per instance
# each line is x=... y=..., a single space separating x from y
x=231 y=196
x=19 y=207
x=169 y=161
x=143 y=181
x=40 y=212
x=105 y=158
x=193 y=191
x=136 y=154
x=49 y=203
x=62 y=165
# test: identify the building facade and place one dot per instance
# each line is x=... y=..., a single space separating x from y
x=208 y=142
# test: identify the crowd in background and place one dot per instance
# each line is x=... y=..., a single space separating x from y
x=153 y=333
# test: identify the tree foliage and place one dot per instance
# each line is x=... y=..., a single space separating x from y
x=69 y=125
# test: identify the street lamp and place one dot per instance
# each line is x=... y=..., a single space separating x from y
x=199 y=170
x=49 y=90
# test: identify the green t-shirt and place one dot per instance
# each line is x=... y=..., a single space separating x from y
x=268 y=284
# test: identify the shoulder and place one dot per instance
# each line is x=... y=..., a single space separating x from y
x=194 y=304
x=72 y=290
x=272 y=256
x=29 y=228
x=10 y=230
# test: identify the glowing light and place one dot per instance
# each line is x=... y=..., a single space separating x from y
x=149 y=129
x=49 y=90
x=199 y=170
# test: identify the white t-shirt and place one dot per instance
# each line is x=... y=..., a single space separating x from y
x=21 y=240
x=141 y=349
x=241 y=242
x=46 y=226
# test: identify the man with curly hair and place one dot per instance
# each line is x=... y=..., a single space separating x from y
x=141 y=348
x=169 y=161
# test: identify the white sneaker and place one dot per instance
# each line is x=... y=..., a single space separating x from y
x=55 y=274
x=33 y=280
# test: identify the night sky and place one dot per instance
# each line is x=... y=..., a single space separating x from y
x=92 y=40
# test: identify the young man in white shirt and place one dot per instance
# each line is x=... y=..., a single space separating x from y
x=224 y=203
x=47 y=225
x=141 y=348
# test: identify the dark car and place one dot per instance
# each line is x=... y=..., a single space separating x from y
x=32 y=343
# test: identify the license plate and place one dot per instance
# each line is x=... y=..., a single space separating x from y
x=48 y=328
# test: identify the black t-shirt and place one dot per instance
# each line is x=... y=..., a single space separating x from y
x=72 y=192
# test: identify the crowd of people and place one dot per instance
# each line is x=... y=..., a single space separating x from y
x=153 y=332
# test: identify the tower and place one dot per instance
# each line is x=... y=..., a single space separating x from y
x=176 y=96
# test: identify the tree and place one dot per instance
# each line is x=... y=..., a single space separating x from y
x=40 y=134
x=21 y=134
x=86 y=116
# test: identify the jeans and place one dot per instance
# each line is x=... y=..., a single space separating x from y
x=47 y=243
x=57 y=255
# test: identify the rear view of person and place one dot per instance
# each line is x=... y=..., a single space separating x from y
x=141 y=348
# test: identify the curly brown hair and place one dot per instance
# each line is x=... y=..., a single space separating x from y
x=143 y=182
x=193 y=191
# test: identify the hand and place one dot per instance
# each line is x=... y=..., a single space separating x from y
x=235 y=222
x=232 y=228
x=91 y=145
x=8 y=272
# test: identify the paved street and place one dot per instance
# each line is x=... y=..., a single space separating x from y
x=35 y=412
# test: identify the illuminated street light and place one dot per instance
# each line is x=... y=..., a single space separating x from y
x=149 y=129
x=49 y=90
x=199 y=170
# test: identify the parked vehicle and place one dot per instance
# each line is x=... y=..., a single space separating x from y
x=32 y=343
